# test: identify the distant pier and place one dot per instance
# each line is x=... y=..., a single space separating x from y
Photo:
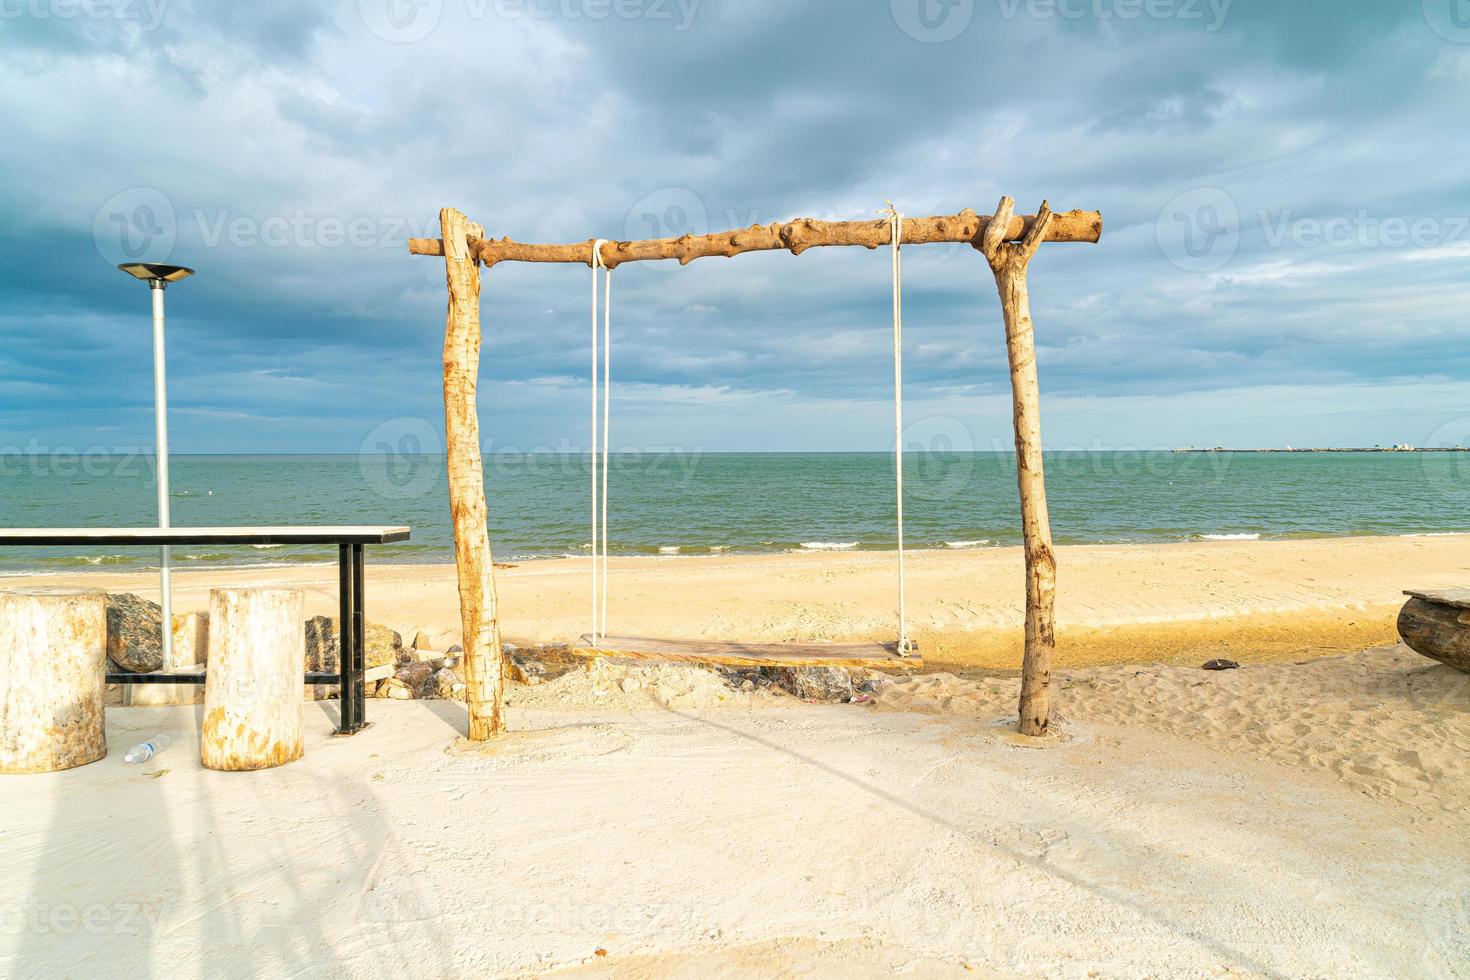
x=1372 y=449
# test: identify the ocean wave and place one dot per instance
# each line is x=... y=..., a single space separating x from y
x=90 y=560
x=1241 y=536
x=829 y=545
x=967 y=544
x=719 y=548
x=668 y=549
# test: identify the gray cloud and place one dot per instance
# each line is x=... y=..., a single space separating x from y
x=288 y=154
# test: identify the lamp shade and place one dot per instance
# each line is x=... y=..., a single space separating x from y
x=148 y=271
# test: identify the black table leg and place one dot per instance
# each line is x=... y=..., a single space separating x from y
x=348 y=717
x=359 y=638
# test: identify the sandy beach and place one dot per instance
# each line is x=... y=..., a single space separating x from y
x=1250 y=601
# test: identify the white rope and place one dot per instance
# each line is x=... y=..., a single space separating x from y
x=895 y=226
x=606 y=396
x=596 y=262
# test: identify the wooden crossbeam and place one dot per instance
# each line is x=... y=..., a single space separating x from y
x=797 y=236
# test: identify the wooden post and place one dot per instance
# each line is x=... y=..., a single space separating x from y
x=53 y=645
x=253 y=712
x=484 y=664
x=1008 y=261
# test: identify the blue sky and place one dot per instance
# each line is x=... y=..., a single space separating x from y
x=1285 y=257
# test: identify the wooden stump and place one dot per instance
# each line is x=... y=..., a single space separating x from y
x=1437 y=625
x=253 y=714
x=53 y=647
x=189 y=649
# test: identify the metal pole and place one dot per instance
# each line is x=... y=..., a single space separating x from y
x=160 y=410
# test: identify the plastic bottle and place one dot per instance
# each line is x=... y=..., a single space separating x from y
x=144 y=751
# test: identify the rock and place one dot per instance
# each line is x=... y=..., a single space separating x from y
x=379 y=673
x=395 y=689
x=382 y=646
x=415 y=677
x=827 y=684
x=447 y=684
x=532 y=666
x=630 y=684
x=523 y=670
x=134 y=633
x=1219 y=665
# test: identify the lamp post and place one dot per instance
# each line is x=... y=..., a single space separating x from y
x=158 y=277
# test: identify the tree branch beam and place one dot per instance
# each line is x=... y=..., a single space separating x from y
x=797 y=236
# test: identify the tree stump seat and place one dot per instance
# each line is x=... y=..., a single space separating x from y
x=253 y=711
x=53 y=647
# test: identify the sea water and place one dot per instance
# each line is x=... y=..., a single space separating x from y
x=678 y=504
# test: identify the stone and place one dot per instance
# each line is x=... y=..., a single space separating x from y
x=533 y=666
x=522 y=671
x=379 y=673
x=134 y=633
x=382 y=646
x=1219 y=665
x=415 y=677
x=395 y=689
x=447 y=684
x=825 y=684
x=131 y=633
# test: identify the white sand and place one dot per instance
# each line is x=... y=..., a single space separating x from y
x=1279 y=820
x=1181 y=603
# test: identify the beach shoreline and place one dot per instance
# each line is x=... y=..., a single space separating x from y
x=1117 y=603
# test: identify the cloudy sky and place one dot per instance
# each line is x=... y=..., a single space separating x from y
x=1285 y=256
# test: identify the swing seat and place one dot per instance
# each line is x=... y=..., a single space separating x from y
x=879 y=656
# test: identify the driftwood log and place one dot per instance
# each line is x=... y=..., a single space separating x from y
x=52 y=658
x=1437 y=625
x=1008 y=242
x=793 y=236
x=253 y=712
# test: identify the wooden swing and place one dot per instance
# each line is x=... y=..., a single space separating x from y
x=901 y=652
x=1007 y=240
